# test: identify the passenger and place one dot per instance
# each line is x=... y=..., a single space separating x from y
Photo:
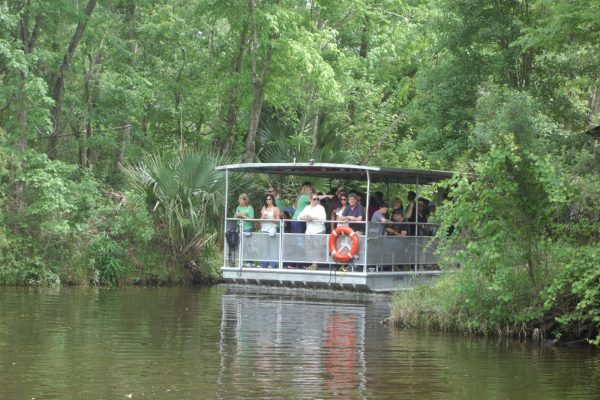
x=397 y=205
x=355 y=212
x=246 y=212
x=379 y=217
x=302 y=201
x=399 y=228
x=411 y=213
x=339 y=210
x=328 y=203
x=360 y=198
x=432 y=229
x=422 y=218
x=314 y=215
x=269 y=216
x=278 y=200
x=374 y=202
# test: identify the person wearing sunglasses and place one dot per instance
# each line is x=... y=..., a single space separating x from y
x=339 y=210
x=314 y=214
x=269 y=215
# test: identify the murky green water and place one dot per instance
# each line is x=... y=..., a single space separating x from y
x=223 y=343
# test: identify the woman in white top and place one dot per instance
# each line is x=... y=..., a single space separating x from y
x=269 y=216
x=314 y=214
x=339 y=211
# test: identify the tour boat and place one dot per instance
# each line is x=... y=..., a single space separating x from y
x=346 y=260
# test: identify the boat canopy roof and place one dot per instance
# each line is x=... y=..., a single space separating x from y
x=343 y=172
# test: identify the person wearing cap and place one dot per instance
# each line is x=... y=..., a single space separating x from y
x=379 y=217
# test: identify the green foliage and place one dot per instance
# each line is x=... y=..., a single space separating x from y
x=575 y=293
x=107 y=261
x=501 y=214
x=185 y=195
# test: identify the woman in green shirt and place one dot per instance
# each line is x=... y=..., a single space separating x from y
x=246 y=212
x=302 y=201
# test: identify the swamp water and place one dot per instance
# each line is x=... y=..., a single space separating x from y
x=246 y=343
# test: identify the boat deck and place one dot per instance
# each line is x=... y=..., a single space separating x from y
x=329 y=279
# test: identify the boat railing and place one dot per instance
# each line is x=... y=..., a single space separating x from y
x=287 y=251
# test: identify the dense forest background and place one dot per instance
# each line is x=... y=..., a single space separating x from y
x=114 y=113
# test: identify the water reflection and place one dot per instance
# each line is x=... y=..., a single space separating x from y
x=311 y=346
x=194 y=343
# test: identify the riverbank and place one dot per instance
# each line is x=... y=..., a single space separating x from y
x=565 y=307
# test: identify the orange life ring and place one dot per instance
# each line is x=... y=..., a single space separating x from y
x=336 y=253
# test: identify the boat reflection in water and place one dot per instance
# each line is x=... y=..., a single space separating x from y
x=283 y=347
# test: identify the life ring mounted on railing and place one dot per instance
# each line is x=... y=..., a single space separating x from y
x=352 y=250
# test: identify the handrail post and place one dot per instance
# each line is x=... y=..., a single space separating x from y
x=416 y=210
x=225 y=244
x=367 y=222
x=281 y=232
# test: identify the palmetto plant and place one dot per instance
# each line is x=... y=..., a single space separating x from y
x=186 y=194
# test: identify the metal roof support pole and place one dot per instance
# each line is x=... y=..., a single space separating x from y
x=225 y=220
x=367 y=222
x=281 y=229
x=416 y=210
x=241 y=244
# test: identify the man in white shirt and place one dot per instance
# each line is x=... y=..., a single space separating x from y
x=314 y=214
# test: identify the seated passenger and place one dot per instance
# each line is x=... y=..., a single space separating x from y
x=399 y=228
x=355 y=212
x=379 y=217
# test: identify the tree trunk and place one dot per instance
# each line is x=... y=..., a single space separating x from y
x=59 y=83
x=124 y=133
x=228 y=136
x=90 y=80
x=28 y=41
x=124 y=136
x=258 y=86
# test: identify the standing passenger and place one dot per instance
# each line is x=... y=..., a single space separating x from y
x=278 y=201
x=411 y=213
x=379 y=217
x=269 y=216
x=355 y=212
x=246 y=212
x=302 y=201
x=314 y=215
x=339 y=210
